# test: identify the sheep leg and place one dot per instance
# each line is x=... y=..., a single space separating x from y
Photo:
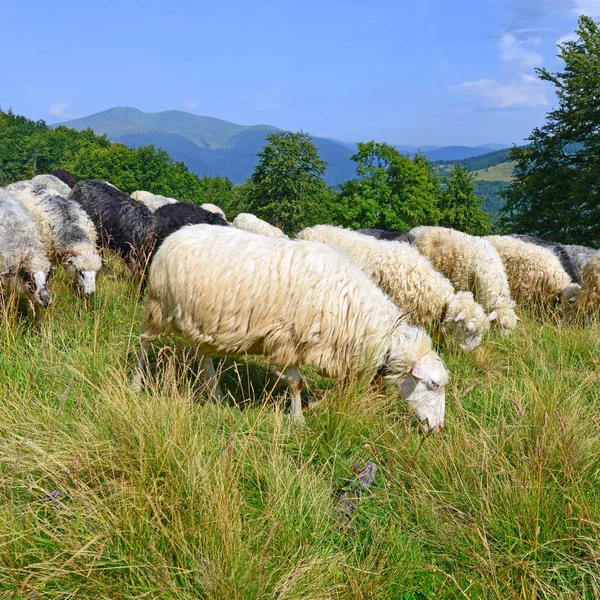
x=294 y=379
x=137 y=381
x=213 y=382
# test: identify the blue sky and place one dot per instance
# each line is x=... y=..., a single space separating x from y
x=419 y=72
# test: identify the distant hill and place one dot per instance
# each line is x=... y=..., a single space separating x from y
x=501 y=172
x=212 y=147
x=207 y=146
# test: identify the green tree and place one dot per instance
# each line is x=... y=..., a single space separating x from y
x=287 y=186
x=460 y=205
x=391 y=191
x=556 y=190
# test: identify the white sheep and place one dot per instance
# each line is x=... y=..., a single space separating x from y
x=535 y=273
x=233 y=292
x=249 y=222
x=472 y=264
x=67 y=232
x=589 y=298
x=24 y=266
x=52 y=182
x=424 y=295
x=580 y=255
x=152 y=201
x=213 y=208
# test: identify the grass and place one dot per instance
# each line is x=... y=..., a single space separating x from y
x=106 y=494
x=501 y=172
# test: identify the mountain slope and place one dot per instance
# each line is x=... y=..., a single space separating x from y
x=207 y=146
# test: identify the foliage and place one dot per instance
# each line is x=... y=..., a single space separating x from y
x=167 y=494
x=490 y=192
x=460 y=206
x=392 y=191
x=28 y=148
x=556 y=190
x=287 y=187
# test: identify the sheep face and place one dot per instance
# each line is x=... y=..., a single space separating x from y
x=466 y=321
x=505 y=319
x=423 y=389
x=83 y=269
x=32 y=285
x=569 y=297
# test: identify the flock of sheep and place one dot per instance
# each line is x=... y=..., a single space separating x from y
x=352 y=304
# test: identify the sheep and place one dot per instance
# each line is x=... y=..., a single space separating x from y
x=558 y=250
x=52 y=182
x=391 y=236
x=234 y=292
x=24 y=266
x=249 y=222
x=471 y=264
x=589 y=298
x=65 y=176
x=120 y=221
x=580 y=255
x=171 y=217
x=152 y=201
x=534 y=273
x=408 y=277
x=213 y=208
x=67 y=232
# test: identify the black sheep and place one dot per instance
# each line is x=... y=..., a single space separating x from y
x=558 y=250
x=120 y=221
x=389 y=236
x=170 y=217
x=65 y=176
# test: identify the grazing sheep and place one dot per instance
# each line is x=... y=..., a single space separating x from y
x=249 y=222
x=152 y=201
x=213 y=208
x=559 y=250
x=120 y=221
x=580 y=255
x=171 y=217
x=589 y=297
x=65 y=176
x=390 y=236
x=67 y=232
x=425 y=296
x=472 y=265
x=52 y=182
x=534 y=273
x=233 y=292
x=24 y=266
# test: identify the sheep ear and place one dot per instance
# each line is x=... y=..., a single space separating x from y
x=419 y=371
x=460 y=316
x=518 y=318
x=493 y=316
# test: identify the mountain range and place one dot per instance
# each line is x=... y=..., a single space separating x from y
x=210 y=146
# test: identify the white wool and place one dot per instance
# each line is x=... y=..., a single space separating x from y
x=52 y=182
x=213 y=208
x=424 y=295
x=234 y=292
x=152 y=201
x=249 y=222
x=535 y=273
x=471 y=264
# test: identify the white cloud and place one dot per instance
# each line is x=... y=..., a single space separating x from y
x=570 y=37
x=514 y=49
x=190 y=105
x=525 y=92
x=63 y=111
x=590 y=8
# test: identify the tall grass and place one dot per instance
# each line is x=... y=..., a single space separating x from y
x=106 y=494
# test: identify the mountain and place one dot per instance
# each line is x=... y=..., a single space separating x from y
x=494 y=146
x=206 y=145
x=456 y=153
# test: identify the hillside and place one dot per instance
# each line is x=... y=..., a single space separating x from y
x=501 y=172
x=212 y=147
x=206 y=145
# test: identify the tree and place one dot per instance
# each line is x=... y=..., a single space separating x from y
x=460 y=206
x=391 y=191
x=556 y=190
x=287 y=186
